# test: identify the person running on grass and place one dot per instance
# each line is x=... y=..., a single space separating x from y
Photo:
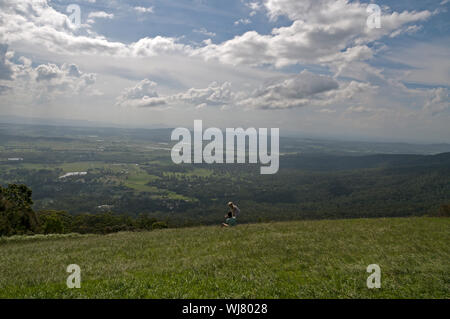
x=230 y=220
x=234 y=209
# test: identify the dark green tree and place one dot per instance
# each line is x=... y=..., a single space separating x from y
x=54 y=222
x=16 y=214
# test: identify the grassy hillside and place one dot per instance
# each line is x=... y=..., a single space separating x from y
x=307 y=259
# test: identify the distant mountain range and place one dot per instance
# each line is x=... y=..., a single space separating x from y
x=13 y=119
x=289 y=142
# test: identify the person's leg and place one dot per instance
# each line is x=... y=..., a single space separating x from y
x=225 y=225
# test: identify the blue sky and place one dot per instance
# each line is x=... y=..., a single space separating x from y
x=176 y=19
x=311 y=66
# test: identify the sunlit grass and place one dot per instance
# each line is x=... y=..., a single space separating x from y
x=306 y=259
x=197 y=172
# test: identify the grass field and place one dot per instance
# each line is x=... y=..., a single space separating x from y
x=305 y=259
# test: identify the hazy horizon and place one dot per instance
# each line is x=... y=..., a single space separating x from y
x=17 y=120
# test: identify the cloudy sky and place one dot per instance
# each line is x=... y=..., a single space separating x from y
x=318 y=67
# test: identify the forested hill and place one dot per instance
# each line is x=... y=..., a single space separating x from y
x=129 y=172
x=345 y=162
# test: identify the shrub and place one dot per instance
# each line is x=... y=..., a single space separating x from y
x=444 y=210
x=159 y=225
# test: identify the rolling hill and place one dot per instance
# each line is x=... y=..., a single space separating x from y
x=301 y=259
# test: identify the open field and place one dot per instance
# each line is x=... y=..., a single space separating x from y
x=305 y=259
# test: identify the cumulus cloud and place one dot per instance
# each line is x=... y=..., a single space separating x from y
x=46 y=82
x=213 y=95
x=48 y=29
x=145 y=95
x=320 y=31
x=47 y=72
x=157 y=46
x=438 y=100
x=301 y=90
x=307 y=89
x=65 y=78
x=35 y=23
x=354 y=89
x=141 y=95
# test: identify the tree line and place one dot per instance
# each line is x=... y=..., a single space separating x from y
x=18 y=218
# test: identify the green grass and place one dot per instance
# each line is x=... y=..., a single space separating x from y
x=196 y=172
x=138 y=179
x=81 y=166
x=305 y=259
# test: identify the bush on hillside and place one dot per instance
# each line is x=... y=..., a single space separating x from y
x=159 y=225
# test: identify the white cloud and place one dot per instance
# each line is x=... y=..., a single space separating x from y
x=438 y=100
x=255 y=7
x=301 y=90
x=45 y=28
x=144 y=9
x=144 y=95
x=141 y=95
x=305 y=89
x=100 y=15
x=34 y=25
x=157 y=46
x=411 y=29
x=46 y=82
x=321 y=30
x=242 y=21
x=213 y=95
